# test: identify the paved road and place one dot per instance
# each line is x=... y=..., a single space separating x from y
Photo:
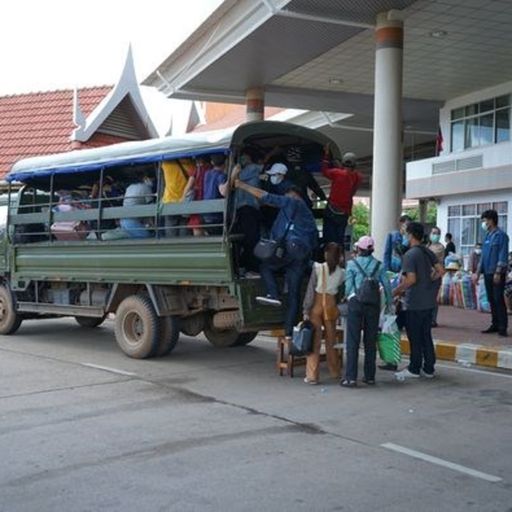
x=216 y=430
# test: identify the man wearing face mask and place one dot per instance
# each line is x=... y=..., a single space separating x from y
x=437 y=248
x=474 y=258
x=493 y=266
x=396 y=246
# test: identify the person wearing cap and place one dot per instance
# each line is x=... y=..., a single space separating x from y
x=296 y=227
x=345 y=181
x=363 y=317
x=420 y=272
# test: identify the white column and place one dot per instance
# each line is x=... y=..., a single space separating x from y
x=255 y=104
x=387 y=129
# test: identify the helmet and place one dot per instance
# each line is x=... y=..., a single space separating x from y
x=349 y=159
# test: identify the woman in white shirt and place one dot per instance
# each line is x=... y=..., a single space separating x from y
x=321 y=308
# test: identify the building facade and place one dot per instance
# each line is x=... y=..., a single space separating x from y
x=473 y=172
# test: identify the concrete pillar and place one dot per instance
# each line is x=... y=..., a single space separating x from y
x=387 y=129
x=255 y=104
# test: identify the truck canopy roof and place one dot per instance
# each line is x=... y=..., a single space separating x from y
x=154 y=150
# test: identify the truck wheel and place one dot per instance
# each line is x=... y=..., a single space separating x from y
x=10 y=320
x=89 y=322
x=137 y=327
x=169 y=334
x=245 y=338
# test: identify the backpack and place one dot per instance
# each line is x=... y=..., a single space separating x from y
x=369 y=291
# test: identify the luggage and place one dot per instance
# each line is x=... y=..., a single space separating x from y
x=70 y=230
x=302 y=340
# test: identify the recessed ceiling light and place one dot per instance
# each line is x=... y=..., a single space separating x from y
x=438 y=33
x=335 y=81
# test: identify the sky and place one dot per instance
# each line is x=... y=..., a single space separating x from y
x=59 y=44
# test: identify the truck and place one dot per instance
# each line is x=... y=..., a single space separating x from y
x=156 y=287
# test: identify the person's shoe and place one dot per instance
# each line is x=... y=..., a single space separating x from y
x=369 y=382
x=427 y=375
x=269 y=301
x=490 y=330
x=389 y=367
x=503 y=334
x=252 y=275
x=435 y=324
x=406 y=374
x=310 y=382
x=346 y=383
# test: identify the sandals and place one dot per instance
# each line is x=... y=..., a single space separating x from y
x=346 y=383
x=310 y=382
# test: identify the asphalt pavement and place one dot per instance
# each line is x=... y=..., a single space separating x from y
x=84 y=428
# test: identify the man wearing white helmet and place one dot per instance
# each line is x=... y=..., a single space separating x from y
x=345 y=181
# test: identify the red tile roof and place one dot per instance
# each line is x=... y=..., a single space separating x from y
x=41 y=123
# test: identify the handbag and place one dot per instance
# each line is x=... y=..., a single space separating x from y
x=302 y=339
x=334 y=214
x=329 y=313
x=267 y=249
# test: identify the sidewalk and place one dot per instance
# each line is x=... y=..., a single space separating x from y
x=458 y=338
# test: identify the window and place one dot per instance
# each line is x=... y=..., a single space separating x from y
x=465 y=225
x=481 y=124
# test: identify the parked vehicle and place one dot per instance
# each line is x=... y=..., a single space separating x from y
x=157 y=286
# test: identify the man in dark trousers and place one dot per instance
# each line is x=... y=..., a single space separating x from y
x=493 y=266
x=345 y=181
x=296 y=226
x=420 y=270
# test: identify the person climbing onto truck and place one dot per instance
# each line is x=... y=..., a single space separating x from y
x=295 y=229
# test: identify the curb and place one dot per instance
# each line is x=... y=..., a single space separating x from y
x=468 y=354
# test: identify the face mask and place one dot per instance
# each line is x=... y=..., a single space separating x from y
x=148 y=181
x=405 y=241
x=275 y=179
x=478 y=251
x=484 y=226
x=435 y=238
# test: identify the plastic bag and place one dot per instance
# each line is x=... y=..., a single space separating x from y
x=483 y=301
x=388 y=341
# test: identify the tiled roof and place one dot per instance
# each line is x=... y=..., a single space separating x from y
x=41 y=123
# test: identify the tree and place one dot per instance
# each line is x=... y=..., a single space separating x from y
x=360 y=220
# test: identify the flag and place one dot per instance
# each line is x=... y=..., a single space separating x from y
x=439 y=142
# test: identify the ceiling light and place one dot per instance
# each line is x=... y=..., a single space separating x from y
x=438 y=33
x=335 y=81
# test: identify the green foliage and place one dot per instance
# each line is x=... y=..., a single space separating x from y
x=361 y=216
x=414 y=213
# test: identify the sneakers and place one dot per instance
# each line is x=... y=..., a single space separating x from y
x=310 y=382
x=427 y=375
x=269 y=301
x=406 y=374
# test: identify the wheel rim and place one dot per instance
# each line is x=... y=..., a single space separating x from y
x=133 y=328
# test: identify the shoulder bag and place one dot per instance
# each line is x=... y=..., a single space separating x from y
x=267 y=249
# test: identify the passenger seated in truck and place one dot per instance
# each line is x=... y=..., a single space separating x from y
x=203 y=165
x=215 y=186
x=111 y=196
x=178 y=187
x=138 y=193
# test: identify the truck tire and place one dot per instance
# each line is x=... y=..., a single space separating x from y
x=137 y=327
x=223 y=338
x=89 y=322
x=245 y=338
x=169 y=335
x=10 y=320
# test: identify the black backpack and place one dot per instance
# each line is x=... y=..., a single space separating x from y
x=369 y=291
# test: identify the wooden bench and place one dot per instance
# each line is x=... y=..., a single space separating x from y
x=286 y=362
